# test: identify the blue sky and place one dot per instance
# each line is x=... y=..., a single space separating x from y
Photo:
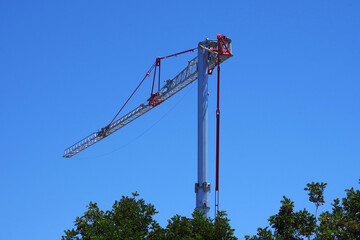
x=290 y=107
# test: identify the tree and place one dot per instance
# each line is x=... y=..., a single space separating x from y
x=316 y=194
x=132 y=218
x=128 y=219
x=344 y=220
x=292 y=225
x=342 y=223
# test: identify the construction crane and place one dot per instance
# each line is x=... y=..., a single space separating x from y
x=211 y=53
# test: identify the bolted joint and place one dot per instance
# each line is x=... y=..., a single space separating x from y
x=205 y=206
x=205 y=186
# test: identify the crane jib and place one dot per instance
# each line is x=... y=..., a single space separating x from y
x=187 y=76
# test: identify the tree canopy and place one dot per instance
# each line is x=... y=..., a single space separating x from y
x=342 y=222
x=132 y=218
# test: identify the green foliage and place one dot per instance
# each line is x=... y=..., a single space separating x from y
x=222 y=229
x=129 y=219
x=283 y=222
x=343 y=222
x=316 y=194
x=263 y=234
x=133 y=219
x=292 y=225
x=197 y=227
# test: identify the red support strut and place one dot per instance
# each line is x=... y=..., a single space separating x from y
x=154 y=97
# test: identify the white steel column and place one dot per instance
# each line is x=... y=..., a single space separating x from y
x=202 y=187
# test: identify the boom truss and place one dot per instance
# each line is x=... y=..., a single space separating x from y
x=187 y=76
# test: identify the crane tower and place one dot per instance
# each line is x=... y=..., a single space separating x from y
x=211 y=53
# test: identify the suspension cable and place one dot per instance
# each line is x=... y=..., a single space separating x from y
x=147 y=74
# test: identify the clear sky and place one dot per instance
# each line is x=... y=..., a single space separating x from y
x=290 y=107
